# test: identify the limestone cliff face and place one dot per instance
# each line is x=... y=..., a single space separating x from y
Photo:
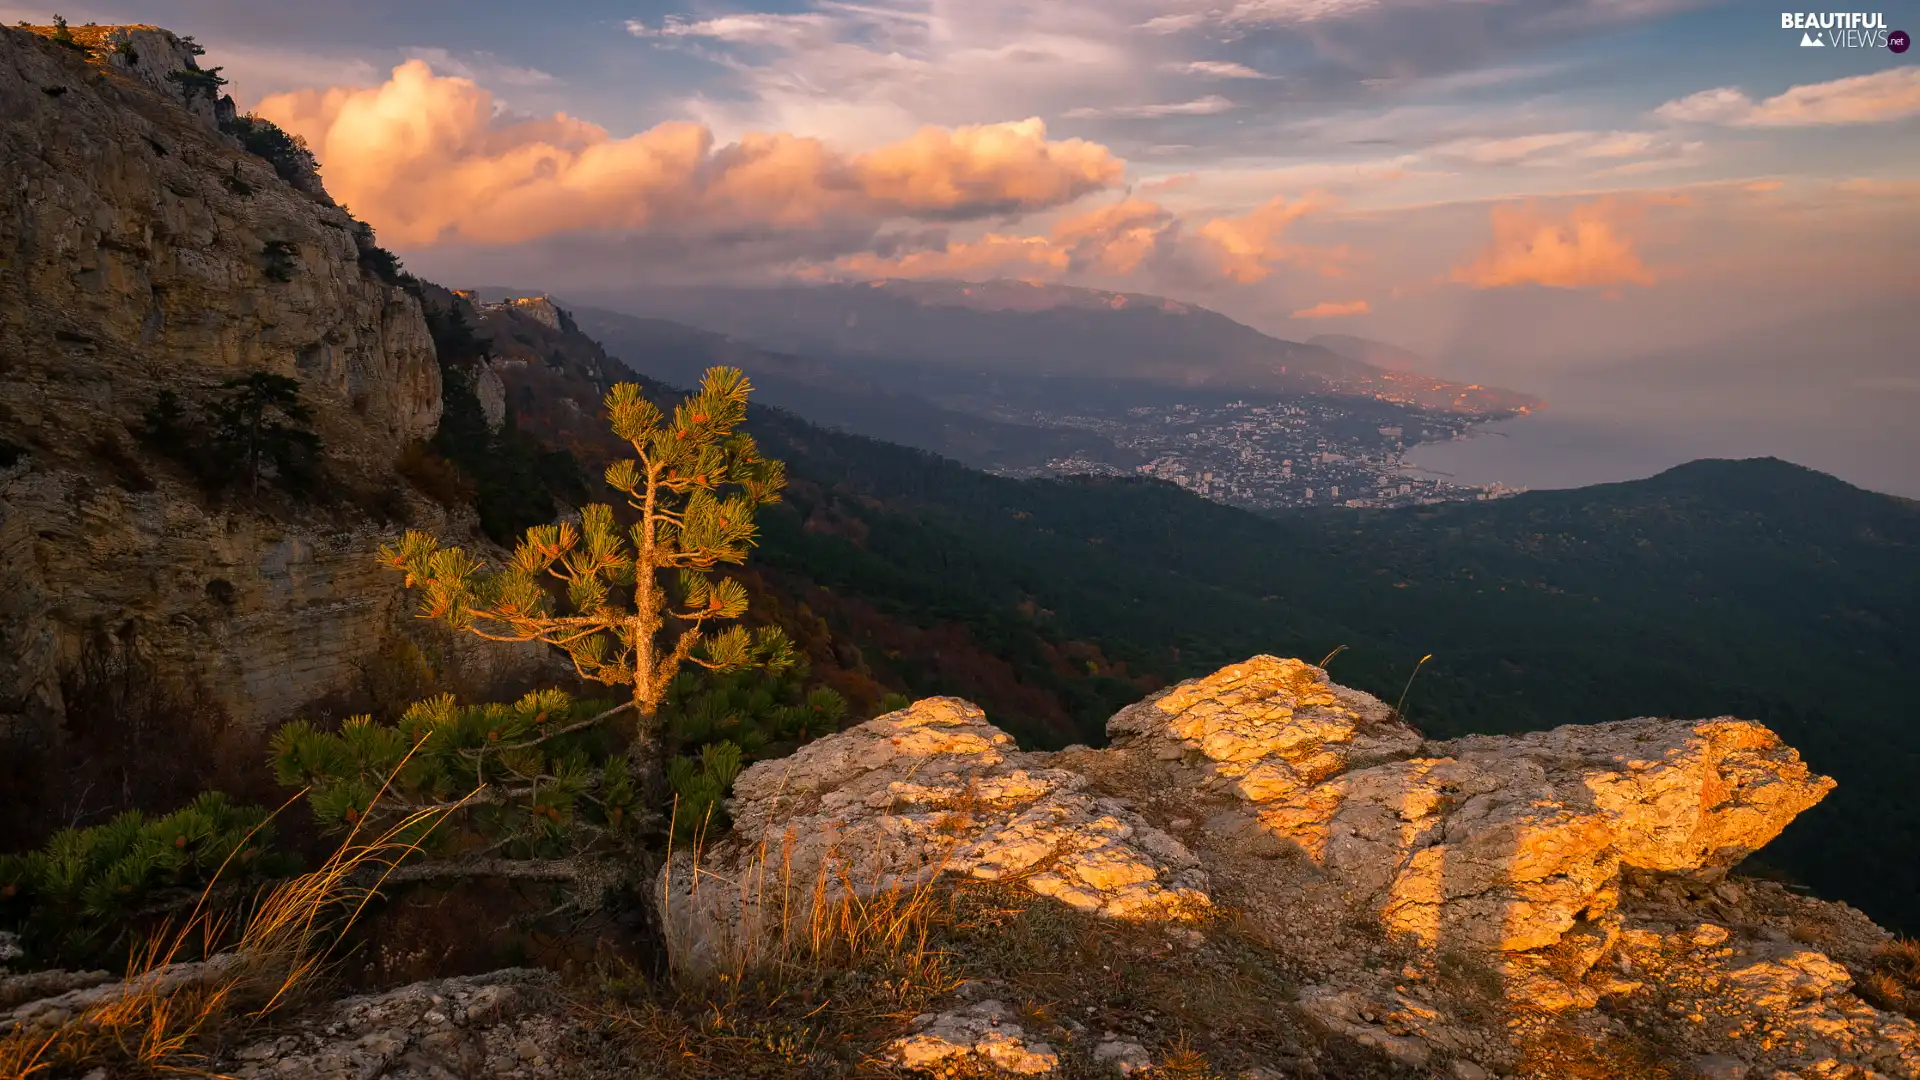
x=134 y=256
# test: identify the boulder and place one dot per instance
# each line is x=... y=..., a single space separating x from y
x=890 y=804
x=1510 y=843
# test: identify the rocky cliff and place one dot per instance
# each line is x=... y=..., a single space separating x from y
x=142 y=249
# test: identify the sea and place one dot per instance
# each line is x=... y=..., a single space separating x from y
x=1867 y=435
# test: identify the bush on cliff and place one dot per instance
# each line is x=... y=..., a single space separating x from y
x=289 y=155
x=256 y=430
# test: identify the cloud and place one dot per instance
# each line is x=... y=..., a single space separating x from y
x=1567 y=149
x=1116 y=239
x=1206 y=106
x=1584 y=251
x=1884 y=96
x=425 y=159
x=1250 y=248
x=1216 y=69
x=1121 y=239
x=1333 y=309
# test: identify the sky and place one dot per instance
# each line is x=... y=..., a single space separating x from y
x=1525 y=191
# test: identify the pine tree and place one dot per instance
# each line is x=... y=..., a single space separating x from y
x=260 y=422
x=630 y=607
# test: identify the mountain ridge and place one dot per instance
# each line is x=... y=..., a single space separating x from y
x=1052 y=331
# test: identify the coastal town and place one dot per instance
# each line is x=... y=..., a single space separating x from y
x=1276 y=454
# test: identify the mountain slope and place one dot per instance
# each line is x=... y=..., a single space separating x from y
x=1756 y=588
x=839 y=398
x=1055 y=331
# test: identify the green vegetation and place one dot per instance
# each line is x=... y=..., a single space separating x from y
x=255 y=430
x=691 y=492
x=714 y=722
x=1752 y=588
x=63 y=36
x=75 y=900
x=382 y=264
x=289 y=155
x=544 y=779
x=515 y=480
x=199 y=82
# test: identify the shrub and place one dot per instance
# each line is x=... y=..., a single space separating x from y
x=434 y=476
x=63 y=36
x=255 y=430
x=549 y=783
x=74 y=900
x=198 y=82
x=292 y=159
x=281 y=258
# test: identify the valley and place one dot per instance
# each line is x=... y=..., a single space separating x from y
x=1255 y=447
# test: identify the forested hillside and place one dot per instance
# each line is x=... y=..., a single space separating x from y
x=1755 y=588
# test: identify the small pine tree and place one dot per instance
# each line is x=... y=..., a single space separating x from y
x=256 y=430
x=544 y=779
x=261 y=424
x=694 y=487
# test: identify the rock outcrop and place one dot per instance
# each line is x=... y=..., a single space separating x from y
x=134 y=257
x=897 y=800
x=1405 y=907
x=1451 y=905
x=1502 y=843
x=498 y=1025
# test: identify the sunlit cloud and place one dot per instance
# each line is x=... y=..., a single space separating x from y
x=1251 y=247
x=1586 y=249
x=1121 y=239
x=424 y=157
x=1333 y=309
x=1216 y=69
x=1205 y=106
x=1884 y=96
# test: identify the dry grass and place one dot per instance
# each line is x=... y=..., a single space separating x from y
x=813 y=978
x=167 y=1016
x=1893 y=981
x=826 y=972
x=1555 y=1047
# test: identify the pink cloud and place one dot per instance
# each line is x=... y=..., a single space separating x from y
x=1250 y=248
x=1893 y=94
x=1584 y=250
x=1333 y=309
x=425 y=160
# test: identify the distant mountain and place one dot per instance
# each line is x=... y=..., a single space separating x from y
x=836 y=397
x=1368 y=351
x=1053 y=331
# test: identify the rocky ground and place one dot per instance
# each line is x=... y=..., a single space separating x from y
x=1265 y=875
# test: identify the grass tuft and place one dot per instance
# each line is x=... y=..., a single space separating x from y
x=167 y=1013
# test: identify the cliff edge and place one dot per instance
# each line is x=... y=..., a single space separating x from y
x=143 y=249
